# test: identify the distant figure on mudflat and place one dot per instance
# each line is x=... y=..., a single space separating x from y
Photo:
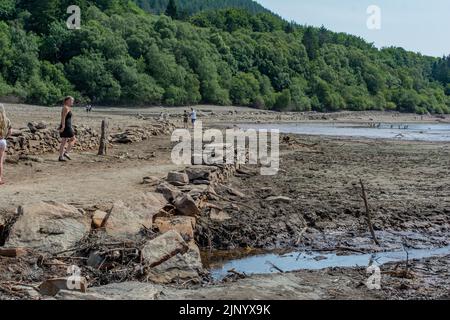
x=66 y=131
x=193 y=117
x=5 y=132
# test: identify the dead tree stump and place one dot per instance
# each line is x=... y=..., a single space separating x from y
x=103 y=139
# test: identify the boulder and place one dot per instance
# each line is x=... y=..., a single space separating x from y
x=183 y=225
x=169 y=191
x=114 y=291
x=48 y=227
x=163 y=248
x=200 y=173
x=41 y=125
x=181 y=267
x=127 y=220
x=178 y=178
x=152 y=181
x=186 y=206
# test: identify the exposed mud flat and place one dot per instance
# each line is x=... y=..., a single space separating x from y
x=407 y=183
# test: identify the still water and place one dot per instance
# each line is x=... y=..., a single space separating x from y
x=400 y=131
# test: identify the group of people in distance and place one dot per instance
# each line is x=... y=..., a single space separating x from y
x=187 y=115
x=66 y=131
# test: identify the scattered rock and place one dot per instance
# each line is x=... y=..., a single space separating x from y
x=275 y=199
x=41 y=125
x=178 y=178
x=183 y=225
x=200 y=173
x=186 y=206
x=32 y=127
x=51 y=287
x=218 y=215
x=235 y=192
x=169 y=191
x=152 y=181
x=98 y=219
x=197 y=182
x=163 y=248
x=48 y=227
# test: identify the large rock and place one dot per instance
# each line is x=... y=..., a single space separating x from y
x=186 y=206
x=183 y=225
x=200 y=173
x=182 y=267
x=127 y=220
x=178 y=178
x=114 y=291
x=169 y=191
x=163 y=248
x=48 y=227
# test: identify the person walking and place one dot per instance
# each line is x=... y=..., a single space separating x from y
x=5 y=132
x=66 y=131
x=193 y=117
x=185 y=119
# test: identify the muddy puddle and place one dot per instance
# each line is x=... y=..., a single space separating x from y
x=313 y=260
x=401 y=131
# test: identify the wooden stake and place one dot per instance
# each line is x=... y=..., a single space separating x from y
x=104 y=139
x=369 y=220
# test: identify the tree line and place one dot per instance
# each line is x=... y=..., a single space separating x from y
x=123 y=55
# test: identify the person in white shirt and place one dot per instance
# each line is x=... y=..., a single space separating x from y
x=193 y=116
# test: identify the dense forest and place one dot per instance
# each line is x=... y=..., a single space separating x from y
x=187 y=8
x=124 y=55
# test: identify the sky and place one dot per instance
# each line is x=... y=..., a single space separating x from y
x=417 y=25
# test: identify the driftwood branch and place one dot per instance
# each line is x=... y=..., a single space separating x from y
x=369 y=219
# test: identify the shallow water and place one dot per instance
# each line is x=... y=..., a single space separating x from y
x=413 y=131
x=264 y=264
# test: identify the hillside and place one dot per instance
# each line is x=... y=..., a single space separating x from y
x=123 y=55
x=190 y=7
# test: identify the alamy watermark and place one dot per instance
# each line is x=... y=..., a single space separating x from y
x=74 y=21
x=237 y=146
x=374 y=19
x=75 y=281
x=374 y=280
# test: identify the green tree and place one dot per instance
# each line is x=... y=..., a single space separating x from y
x=172 y=10
x=283 y=100
x=244 y=89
